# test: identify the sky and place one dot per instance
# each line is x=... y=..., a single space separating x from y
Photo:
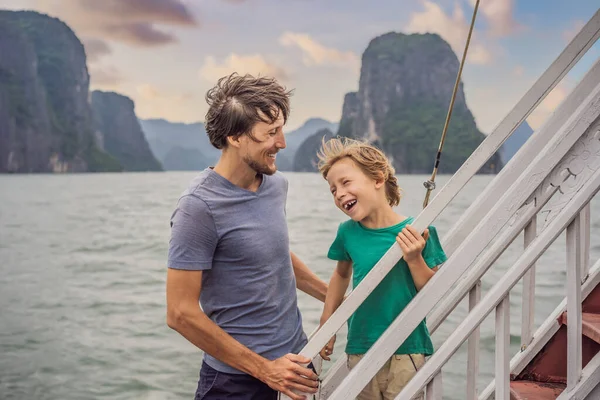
x=166 y=54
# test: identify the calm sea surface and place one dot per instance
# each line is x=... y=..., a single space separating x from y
x=82 y=283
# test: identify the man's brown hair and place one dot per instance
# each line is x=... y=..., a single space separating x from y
x=236 y=103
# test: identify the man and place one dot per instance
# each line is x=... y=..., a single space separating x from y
x=229 y=248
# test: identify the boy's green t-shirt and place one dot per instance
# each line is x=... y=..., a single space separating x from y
x=364 y=247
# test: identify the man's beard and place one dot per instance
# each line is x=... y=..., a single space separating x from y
x=260 y=168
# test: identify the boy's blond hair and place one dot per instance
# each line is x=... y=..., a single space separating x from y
x=369 y=159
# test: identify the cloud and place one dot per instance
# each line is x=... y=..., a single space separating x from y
x=543 y=111
x=95 y=49
x=153 y=102
x=316 y=54
x=569 y=33
x=454 y=29
x=519 y=70
x=499 y=14
x=133 y=21
x=253 y=64
x=148 y=91
x=104 y=77
x=141 y=34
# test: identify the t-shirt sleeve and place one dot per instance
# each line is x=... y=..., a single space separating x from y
x=433 y=253
x=337 y=250
x=193 y=235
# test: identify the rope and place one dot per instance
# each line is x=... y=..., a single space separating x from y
x=430 y=184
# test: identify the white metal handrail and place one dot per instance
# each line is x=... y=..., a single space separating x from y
x=508 y=175
x=499 y=292
x=484 y=152
x=477 y=240
x=453 y=269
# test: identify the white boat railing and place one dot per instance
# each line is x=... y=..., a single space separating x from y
x=538 y=173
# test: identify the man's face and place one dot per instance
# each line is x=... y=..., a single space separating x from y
x=260 y=154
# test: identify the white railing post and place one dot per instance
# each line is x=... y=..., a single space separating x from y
x=503 y=349
x=528 y=298
x=573 y=303
x=473 y=349
x=584 y=225
x=434 y=388
x=544 y=333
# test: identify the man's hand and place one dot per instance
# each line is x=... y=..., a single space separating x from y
x=328 y=349
x=285 y=374
x=411 y=243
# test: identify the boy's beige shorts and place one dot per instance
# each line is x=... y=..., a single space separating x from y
x=391 y=378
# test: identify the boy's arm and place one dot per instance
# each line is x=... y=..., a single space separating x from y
x=335 y=296
x=420 y=271
x=307 y=281
x=412 y=245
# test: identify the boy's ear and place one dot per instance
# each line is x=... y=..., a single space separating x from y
x=380 y=181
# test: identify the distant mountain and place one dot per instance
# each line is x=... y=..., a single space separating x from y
x=295 y=138
x=515 y=141
x=169 y=140
x=180 y=146
x=181 y=159
x=306 y=158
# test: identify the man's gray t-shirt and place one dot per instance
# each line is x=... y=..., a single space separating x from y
x=240 y=240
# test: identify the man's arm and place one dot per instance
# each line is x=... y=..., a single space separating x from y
x=186 y=317
x=307 y=281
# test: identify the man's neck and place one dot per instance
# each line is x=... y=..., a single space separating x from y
x=236 y=171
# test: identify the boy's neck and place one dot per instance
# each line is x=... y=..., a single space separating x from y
x=382 y=217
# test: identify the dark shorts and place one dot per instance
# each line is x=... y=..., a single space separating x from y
x=215 y=385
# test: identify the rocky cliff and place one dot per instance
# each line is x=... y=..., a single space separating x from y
x=306 y=159
x=119 y=132
x=405 y=87
x=45 y=115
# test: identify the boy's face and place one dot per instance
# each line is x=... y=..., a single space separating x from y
x=260 y=154
x=354 y=192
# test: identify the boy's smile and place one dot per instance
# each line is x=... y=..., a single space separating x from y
x=349 y=204
x=352 y=190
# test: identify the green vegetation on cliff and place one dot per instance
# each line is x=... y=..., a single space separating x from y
x=405 y=87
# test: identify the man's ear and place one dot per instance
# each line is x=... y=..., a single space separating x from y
x=234 y=141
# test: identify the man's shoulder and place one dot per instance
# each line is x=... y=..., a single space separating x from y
x=279 y=177
x=195 y=195
x=276 y=182
x=198 y=186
